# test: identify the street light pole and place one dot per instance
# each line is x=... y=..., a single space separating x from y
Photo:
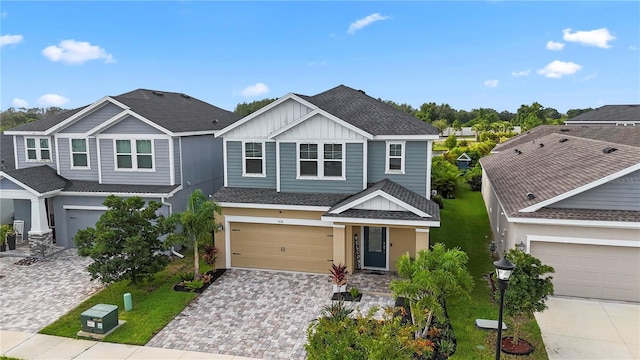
x=504 y=268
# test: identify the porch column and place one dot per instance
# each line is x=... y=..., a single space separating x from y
x=422 y=239
x=339 y=247
x=40 y=235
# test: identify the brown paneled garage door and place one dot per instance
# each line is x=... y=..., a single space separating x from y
x=592 y=271
x=281 y=247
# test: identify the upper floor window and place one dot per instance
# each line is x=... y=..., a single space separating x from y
x=38 y=149
x=321 y=161
x=79 y=153
x=395 y=157
x=134 y=154
x=253 y=162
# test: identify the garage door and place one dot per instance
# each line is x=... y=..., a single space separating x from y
x=78 y=220
x=592 y=271
x=281 y=247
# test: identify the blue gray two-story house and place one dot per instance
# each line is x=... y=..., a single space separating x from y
x=154 y=144
x=338 y=177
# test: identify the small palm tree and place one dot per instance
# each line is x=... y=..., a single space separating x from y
x=197 y=223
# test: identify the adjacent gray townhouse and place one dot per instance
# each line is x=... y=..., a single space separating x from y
x=616 y=115
x=155 y=144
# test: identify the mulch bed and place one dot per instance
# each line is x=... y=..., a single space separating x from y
x=215 y=274
x=522 y=347
x=346 y=296
x=27 y=261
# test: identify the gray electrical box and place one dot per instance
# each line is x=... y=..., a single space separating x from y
x=100 y=319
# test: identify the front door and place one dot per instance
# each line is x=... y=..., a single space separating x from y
x=375 y=248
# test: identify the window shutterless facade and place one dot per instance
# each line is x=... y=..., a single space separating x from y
x=253 y=159
x=79 y=154
x=321 y=161
x=395 y=157
x=134 y=154
x=38 y=149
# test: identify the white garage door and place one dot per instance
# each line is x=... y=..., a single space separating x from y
x=79 y=220
x=592 y=271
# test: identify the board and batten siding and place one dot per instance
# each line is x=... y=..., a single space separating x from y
x=131 y=125
x=264 y=124
x=161 y=175
x=93 y=119
x=319 y=128
x=89 y=174
x=353 y=169
x=22 y=153
x=619 y=194
x=415 y=166
x=234 y=167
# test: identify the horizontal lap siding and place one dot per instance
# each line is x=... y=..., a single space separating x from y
x=161 y=175
x=90 y=174
x=94 y=119
x=288 y=172
x=22 y=153
x=176 y=160
x=415 y=176
x=234 y=167
x=619 y=194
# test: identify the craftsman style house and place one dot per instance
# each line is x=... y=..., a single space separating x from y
x=153 y=144
x=338 y=177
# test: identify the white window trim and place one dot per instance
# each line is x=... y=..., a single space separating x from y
x=244 y=160
x=38 y=149
x=86 y=141
x=134 y=157
x=402 y=157
x=320 y=161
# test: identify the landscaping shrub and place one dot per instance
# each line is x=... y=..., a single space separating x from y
x=445 y=178
x=473 y=177
x=451 y=142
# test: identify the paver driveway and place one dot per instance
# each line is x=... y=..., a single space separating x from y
x=33 y=296
x=261 y=314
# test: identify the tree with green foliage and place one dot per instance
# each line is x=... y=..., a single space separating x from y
x=402 y=107
x=451 y=142
x=456 y=125
x=196 y=224
x=428 y=278
x=571 y=113
x=245 y=108
x=441 y=125
x=529 y=287
x=445 y=177
x=530 y=115
x=125 y=244
x=473 y=177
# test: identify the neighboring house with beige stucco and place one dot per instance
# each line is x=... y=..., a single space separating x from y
x=338 y=177
x=574 y=202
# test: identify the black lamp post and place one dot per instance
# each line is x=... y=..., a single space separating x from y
x=504 y=268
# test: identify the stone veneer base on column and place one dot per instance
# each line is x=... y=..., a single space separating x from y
x=41 y=245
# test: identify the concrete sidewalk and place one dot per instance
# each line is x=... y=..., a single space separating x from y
x=37 y=346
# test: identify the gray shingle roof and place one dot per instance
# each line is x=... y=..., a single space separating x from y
x=175 y=112
x=611 y=113
x=369 y=114
x=95 y=187
x=552 y=170
x=271 y=196
x=6 y=152
x=626 y=135
x=42 y=179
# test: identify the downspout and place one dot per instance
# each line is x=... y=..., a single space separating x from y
x=173 y=250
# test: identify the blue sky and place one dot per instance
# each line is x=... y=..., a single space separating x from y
x=497 y=54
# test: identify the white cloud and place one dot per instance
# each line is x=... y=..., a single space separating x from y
x=10 y=39
x=521 y=73
x=491 y=83
x=19 y=103
x=365 y=21
x=76 y=52
x=254 y=90
x=599 y=37
x=557 y=69
x=52 y=100
x=555 y=46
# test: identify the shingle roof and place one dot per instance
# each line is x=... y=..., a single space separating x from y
x=175 y=112
x=271 y=196
x=42 y=179
x=552 y=169
x=626 y=135
x=369 y=114
x=397 y=191
x=6 y=152
x=95 y=187
x=611 y=113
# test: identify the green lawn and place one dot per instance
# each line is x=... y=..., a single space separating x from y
x=465 y=224
x=155 y=304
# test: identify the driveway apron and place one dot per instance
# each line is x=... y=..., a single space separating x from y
x=261 y=314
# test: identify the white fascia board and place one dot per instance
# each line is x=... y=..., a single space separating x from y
x=85 y=207
x=196 y=133
x=406 y=137
x=17 y=194
x=581 y=189
x=580 y=223
x=276 y=221
x=583 y=241
x=338 y=219
x=89 y=109
x=26 y=133
x=273 y=206
x=120 y=116
x=329 y=116
x=384 y=195
x=253 y=115
x=105 y=194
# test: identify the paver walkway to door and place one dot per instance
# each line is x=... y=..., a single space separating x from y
x=261 y=314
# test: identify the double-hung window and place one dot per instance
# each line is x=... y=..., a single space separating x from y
x=79 y=153
x=321 y=160
x=134 y=154
x=253 y=159
x=38 y=149
x=395 y=157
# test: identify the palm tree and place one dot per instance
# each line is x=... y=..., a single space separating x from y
x=197 y=223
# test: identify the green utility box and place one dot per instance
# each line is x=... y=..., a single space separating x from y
x=100 y=319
